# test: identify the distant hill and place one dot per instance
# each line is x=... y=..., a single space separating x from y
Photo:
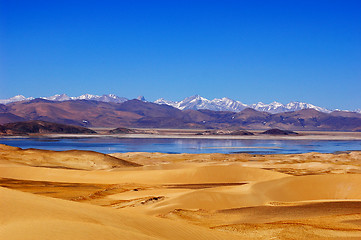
x=29 y=127
x=276 y=131
x=139 y=114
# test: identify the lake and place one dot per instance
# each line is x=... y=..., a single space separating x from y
x=256 y=146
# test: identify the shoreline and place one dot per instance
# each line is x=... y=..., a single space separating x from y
x=321 y=136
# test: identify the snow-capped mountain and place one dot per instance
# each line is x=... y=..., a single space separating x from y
x=225 y=104
x=276 y=107
x=228 y=104
x=57 y=97
x=194 y=102
x=86 y=97
x=166 y=102
x=104 y=98
x=112 y=98
x=296 y=106
x=141 y=98
x=197 y=102
x=16 y=98
x=63 y=97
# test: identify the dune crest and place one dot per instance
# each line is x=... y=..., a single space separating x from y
x=73 y=159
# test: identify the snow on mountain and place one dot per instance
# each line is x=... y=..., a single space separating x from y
x=295 y=106
x=225 y=104
x=16 y=98
x=86 y=96
x=197 y=102
x=276 y=107
x=104 y=98
x=141 y=98
x=57 y=97
x=166 y=102
x=63 y=97
x=112 y=98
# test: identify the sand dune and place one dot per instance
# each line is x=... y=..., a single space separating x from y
x=202 y=174
x=294 y=164
x=290 y=189
x=304 y=188
x=74 y=159
x=182 y=196
x=34 y=217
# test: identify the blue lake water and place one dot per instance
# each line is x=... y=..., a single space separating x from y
x=110 y=145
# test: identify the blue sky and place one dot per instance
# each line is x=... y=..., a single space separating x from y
x=247 y=50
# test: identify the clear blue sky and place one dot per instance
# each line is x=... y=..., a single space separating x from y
x=247 y=50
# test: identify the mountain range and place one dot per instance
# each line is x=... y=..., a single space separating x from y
x=226 y=104
x=142 y=114
x=195 y=102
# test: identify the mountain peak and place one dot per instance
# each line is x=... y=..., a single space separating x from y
x=16 y=98
x=141 y=98
x=57 y=97
x=197 y=102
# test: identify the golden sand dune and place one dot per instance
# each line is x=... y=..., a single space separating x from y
x=182 y=196
x=304 y=188
x=26 y=216
x=74 y=159
x=290 y=189
x=314 y=220
x=272 y=213
x=294 y=164
x=233 y=173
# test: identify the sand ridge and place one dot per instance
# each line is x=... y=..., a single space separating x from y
x=72 y=159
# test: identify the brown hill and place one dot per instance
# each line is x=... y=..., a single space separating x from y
x=345 y=114
x=311 y=119
x=9 y=117
x=276 y=131
x=133 y=113
x=149 y=109
x=79 y=112
x=122 y=131
x=41 y=127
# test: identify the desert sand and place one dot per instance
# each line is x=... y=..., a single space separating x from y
x=88 y=195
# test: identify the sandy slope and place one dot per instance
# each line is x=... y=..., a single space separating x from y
x=180 y=196
x=74 y=159
x=294 y=164
x=193 y=175
x=290 y=189
x=26 y=216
